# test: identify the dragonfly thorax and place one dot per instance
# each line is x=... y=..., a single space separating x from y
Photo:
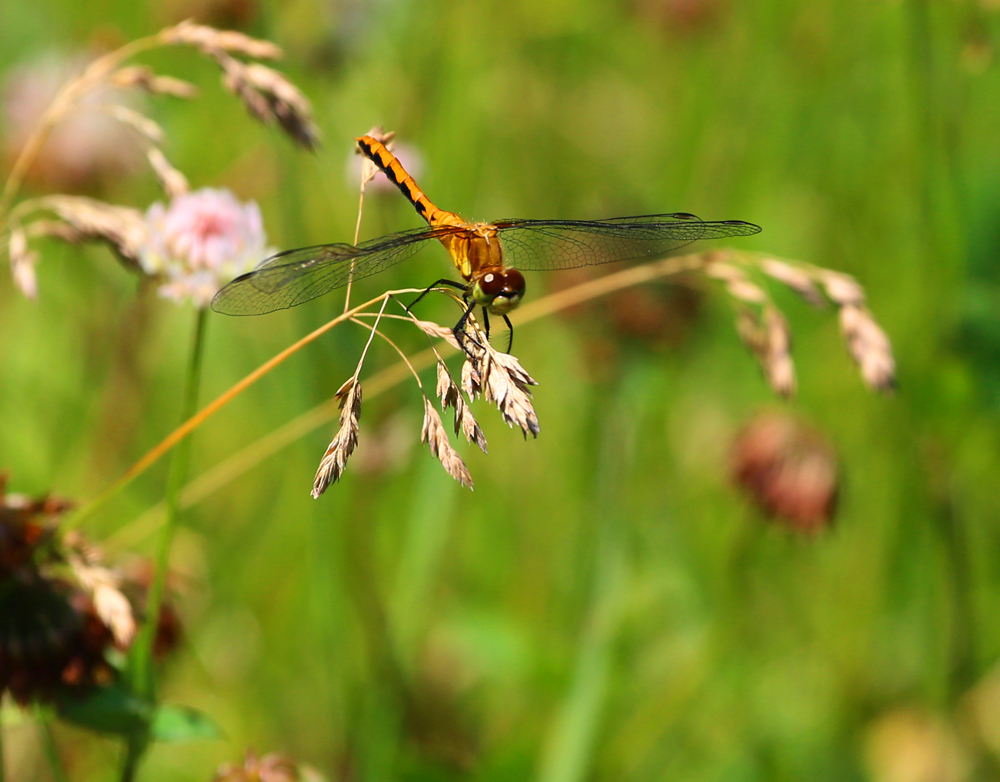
x=498 y=289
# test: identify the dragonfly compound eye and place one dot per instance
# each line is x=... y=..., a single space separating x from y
x=514 y=286
x=491 y=284
x=499 y=289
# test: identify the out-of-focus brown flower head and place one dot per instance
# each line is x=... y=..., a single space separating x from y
x=788 y=469
x=137 y=577
x=25 y=524
x=681 y=16
x=61 y=610
x=88 y=148
x=269 y=768
x=51 y=636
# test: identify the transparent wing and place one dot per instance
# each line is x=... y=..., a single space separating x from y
x=297 y=276
x=547 y=245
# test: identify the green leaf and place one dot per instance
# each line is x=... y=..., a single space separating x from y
x=106 y=710
x=181 y=723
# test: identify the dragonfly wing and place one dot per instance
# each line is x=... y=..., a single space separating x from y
x=297 y=276
x=547 y=245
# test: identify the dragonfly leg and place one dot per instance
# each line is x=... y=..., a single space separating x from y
x=486 y=322
x=460 y=286
x=459 y=331
x=510 y=326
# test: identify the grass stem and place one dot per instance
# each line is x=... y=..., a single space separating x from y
x=51 y=751
x=142 y=679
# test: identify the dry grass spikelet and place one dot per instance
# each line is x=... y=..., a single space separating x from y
x=270 y=97
x=842 y=289
x=55 y=229
x=173 y=182
x=451 y=396
x=795 y=278
x=472 y=380
x=761 y=325
x=140 y=123
x=438 y=331
x=770 y=339
x=446 y=390
x=736 y=282
x=22 y=263
x=122 y=227
x=503 y=382
x=866 y=341
x=143 y=78
x=434 y=435
x=209 y=40
x=331 y=466
x=869 y=347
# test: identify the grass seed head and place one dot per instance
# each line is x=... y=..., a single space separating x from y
x=210 y=40
x=869 y=347
x=435 y=330
x=173 y=182
x=434 y=435
x=141 y=77
x=842 y=289
x=22 y=263
x=467 y=424
x=270 y=97
x=777 y=359
x=505 y=384
x=451 y=396
x=472 y=379
x=795 y=278
x=334 y=460
x=446 y=391
x=122 y=227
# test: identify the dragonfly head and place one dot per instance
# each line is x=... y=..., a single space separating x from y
x=499 y=290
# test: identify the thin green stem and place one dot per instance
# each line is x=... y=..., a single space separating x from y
x=51 y=751
x=963 y=611
x=142 y=680
x=3 y=767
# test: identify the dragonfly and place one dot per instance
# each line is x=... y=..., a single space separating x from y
x=489 y=257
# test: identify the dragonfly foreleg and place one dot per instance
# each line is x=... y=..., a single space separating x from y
x=451 y=283
x=510 y=326
x=486 y=322
x=461 y=334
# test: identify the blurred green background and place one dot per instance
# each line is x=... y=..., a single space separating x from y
x=605 y=605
